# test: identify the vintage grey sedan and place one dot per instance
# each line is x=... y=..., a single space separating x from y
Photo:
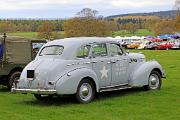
x=85 y=66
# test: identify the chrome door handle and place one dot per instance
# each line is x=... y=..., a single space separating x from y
x=113 y=61
x=94 y=61
x=124 y=59
x=108 y=62
x=87 y=62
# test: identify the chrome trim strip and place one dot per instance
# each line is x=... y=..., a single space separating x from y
x=114 y=86
x=34 y=91
x=113 y=89
x=87 y=62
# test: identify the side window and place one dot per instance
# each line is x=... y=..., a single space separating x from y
x=36 y=47
x=99 y=50
x=115 y=50
x=83 y=52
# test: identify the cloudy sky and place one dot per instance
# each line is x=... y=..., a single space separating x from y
x=68 y=8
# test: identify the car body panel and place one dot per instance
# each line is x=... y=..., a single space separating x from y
x=140 y=76
x=106 y=65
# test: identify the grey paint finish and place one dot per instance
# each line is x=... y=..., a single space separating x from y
x=63 y=73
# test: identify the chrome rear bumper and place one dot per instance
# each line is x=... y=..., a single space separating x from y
x=33 y=91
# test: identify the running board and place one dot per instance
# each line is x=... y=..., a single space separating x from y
x=121 y=87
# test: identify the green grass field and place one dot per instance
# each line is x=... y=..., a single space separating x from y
x=132 y=104
x=34 y=34
x=24 y=34
x=139 y=32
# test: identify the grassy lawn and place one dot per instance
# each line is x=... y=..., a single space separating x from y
x=132 y=104
x=24 y=34
x=34 y=34
x=139 y=32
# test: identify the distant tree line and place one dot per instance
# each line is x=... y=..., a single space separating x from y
x=20 y=25
x=167 y=26
x=88 y=22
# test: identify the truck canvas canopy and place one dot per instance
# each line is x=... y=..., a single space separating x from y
x=15 y=54
x=18 y=49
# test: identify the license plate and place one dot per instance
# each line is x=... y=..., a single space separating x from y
x=30 y=74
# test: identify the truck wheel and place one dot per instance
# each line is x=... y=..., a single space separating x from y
x=154 y=82
x=85 y=92
x=42 y=97
x=12 y=78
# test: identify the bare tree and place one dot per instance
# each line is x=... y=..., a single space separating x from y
x=177 y=6
x=87 y=13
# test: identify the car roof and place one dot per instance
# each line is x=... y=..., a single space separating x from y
x=78 y=41
x=72 y=44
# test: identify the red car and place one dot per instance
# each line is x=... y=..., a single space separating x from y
x=164 y=46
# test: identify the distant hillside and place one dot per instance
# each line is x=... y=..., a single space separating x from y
x=161 y=14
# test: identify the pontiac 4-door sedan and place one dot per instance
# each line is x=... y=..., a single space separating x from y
x=85 y=66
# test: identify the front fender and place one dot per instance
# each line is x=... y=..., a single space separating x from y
x=68 y=83
x=140 y=75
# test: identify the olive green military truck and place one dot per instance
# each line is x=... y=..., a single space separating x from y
x=15 y=54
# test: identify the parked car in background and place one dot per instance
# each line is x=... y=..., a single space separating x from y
x=133 y=45
x=151 y=45
x=143 y=44
x=164 y=46
x=175 y=44
x=125 y=43
x=17 y=54
x=85 y=66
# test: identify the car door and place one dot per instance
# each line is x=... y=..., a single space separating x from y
x=119 y=65
x=101 y=64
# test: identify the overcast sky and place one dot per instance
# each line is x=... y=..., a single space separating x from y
x=68 y=8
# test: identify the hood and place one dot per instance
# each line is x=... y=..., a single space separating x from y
x=136 y=55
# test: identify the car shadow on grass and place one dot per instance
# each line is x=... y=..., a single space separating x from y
x=55 y=101
x=119 y=93
x=70 y=100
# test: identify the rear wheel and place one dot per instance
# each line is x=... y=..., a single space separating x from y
x=85 y=92
x=14 y=76
x=154 y=82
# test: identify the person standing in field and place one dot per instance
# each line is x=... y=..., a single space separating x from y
x=1 y=50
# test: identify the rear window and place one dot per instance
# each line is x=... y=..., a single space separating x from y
x=52 y=50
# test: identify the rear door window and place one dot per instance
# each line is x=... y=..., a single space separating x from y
x=99 y=50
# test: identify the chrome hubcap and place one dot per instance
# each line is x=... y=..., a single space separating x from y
x=153 y=81
x=85 y=91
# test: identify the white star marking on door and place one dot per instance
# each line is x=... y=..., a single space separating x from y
x=104 y=72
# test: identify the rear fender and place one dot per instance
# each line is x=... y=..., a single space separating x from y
x=69 y=82
x=140 y=75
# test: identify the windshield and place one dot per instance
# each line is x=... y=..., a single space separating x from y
x=52 y=50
